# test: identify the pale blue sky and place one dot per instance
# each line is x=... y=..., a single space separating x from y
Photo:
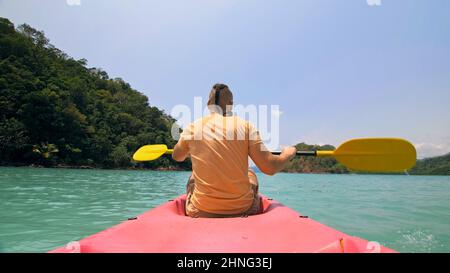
x=338 y=69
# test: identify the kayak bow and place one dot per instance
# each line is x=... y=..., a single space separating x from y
x=167 y=229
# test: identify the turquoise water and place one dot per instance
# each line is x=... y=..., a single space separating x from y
x=42 y=209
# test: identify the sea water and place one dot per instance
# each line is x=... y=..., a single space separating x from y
x=41 y=209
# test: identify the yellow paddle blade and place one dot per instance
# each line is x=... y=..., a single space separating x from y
x=150 y=152
x=375 y=154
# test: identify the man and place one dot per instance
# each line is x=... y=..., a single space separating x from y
x=219 y=145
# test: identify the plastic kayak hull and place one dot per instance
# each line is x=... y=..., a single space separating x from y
x=166 y=229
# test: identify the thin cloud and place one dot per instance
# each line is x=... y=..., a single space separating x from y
x=425 y=150
x=73 y=2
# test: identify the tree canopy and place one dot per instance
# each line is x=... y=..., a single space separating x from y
x=56 y=110
x=439 y=165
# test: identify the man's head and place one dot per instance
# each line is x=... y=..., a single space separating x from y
x=220 y=98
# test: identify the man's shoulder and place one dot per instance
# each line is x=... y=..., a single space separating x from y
x=248 y=124
x=200 y=122
x=241 y=120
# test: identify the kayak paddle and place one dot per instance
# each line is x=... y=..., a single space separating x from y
x=364 y=154
x=371 y=154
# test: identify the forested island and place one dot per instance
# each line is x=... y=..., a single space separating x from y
x=55 y=111
x=439 y=165
x=315 y=164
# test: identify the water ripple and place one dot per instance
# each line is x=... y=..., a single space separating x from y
x=45 y=208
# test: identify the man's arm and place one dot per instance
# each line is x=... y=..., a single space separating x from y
x=180 y=151
x=267 y=162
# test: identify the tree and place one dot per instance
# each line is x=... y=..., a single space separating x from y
x=68 y=113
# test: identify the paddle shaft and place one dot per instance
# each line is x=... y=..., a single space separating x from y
x=364 y=154
x=300 y=153
x=311 y=153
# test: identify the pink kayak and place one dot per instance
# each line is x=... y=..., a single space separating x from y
x=166 y=229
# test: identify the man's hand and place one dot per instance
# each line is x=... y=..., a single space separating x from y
x=289 y=153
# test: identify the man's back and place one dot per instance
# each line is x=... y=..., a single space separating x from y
x=219 y=146
x=219 y=149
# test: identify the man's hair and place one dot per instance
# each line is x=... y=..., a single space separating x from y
x=218 y=92
x=218 y=87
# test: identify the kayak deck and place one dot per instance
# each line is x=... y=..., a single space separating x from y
x=166 y=229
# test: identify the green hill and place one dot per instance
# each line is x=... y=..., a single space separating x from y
x=55 y=110
x=439 y=165
x=315 y=164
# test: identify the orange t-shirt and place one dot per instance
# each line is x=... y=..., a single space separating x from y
x=219 y=150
